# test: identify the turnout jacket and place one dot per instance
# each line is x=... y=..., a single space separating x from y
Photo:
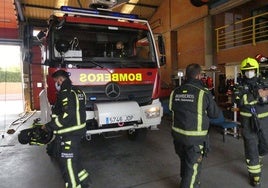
x=246 y=96
x=192 y=105
x=69 y=112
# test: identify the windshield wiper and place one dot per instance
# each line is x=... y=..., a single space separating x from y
x=93 y=62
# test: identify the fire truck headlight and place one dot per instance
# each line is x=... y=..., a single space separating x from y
x=152 y=112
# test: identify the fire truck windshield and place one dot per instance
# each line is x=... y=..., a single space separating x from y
x=102 y=46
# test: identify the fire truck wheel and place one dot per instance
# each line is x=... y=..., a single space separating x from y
x=137 y=135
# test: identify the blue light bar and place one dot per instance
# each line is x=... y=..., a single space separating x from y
x=78 y=10
x=97 y=12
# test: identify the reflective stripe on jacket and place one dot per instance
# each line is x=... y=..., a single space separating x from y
x=246 y=99
x=192 y=105
x=247 y=104
x=72 y=112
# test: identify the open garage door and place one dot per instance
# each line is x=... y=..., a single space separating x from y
x=11 y=87
x=11 y=95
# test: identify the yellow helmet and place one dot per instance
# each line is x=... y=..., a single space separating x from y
x=249 y=64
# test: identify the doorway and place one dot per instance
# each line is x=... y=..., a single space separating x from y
x=11 y=87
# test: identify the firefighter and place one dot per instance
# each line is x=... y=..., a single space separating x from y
x=251 y=98
x=68 y=125
x=120 y=49
x=192 y=105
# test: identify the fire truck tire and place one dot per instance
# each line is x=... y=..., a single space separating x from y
x=138 y=134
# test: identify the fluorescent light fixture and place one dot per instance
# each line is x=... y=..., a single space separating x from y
x=60 y=3
x=128 y=8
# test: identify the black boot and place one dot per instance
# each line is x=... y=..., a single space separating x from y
x=254 y=180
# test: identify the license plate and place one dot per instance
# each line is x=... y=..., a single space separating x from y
x=119 y=119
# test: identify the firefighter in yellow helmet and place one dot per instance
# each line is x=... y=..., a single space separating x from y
x=251 y=97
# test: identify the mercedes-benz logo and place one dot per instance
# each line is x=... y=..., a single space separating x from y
x=112 y=90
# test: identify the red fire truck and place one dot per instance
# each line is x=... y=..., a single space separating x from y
x=114 y=59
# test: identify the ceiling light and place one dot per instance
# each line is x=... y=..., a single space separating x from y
x=60 y=3
x=128 y=8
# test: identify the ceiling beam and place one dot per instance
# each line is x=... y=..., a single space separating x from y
x=226 y=6
x=39 y=6
x=53 y=8
x=19 y=10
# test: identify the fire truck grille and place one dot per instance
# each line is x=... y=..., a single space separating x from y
x=142 y=94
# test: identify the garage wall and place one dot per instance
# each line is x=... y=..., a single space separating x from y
x=191 y=44
x=33 y=79
x=36 y=77
x=183 y=13
x=189 y=22
x=167 y=69
x=238 y=54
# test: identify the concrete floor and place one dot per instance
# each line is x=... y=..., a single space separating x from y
x=121 y=163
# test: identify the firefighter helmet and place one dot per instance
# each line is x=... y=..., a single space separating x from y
x=59 y=73
x=249 y=64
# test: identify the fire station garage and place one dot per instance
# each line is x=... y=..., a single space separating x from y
x=123 y=59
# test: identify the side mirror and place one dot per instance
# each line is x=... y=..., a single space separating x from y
x=61 y=23
x=162 y=51
x=54 y=21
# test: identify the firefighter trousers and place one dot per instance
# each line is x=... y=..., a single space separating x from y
x=69 y=159
x=255 y=144
x=191 y=160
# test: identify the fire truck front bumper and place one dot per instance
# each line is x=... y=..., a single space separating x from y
x=122 y=116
